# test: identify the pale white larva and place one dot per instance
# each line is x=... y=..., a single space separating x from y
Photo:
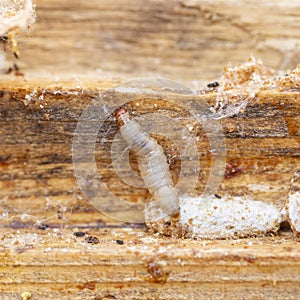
x=152 y=163
x=198 y=217
x=293 y=204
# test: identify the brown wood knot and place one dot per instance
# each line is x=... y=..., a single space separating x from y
x=156 y=271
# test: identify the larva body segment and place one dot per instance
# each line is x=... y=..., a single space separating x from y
x=293 y=204
x=152 y=163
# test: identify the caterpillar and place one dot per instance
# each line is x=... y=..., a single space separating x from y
x=152 y=163
x=184 y=216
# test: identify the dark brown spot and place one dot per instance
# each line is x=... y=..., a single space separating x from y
x=79 y=233
x=10 y=69
x=285 y=226
x=16 y=55
x=16 y=67
x=119 y=242
x=4 y=38
x=168 y=224
x=43 y=226
x=213 y=84
x=92 y=240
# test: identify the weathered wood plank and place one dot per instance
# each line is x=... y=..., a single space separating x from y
x=126 y=39
x=175 y=39
x=262 y=145
x=55 y=264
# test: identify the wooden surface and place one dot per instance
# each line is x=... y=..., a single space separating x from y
x=36 y=142
x=79 y=49
x=38 y=189
x=187 y=40
x=56 y=265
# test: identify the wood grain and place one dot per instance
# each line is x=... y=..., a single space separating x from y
x=77 y=51
x=55 y=264
x=38 y=120
x=187 y=40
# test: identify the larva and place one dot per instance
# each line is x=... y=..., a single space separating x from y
x=152 y=163
x=293 y=204
x=195 y=217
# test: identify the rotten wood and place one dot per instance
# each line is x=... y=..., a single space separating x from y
x=38 y=120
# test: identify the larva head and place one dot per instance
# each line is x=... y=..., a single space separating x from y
x=122 y=116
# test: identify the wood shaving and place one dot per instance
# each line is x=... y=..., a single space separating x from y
x=290 y=80
x=240 y=84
